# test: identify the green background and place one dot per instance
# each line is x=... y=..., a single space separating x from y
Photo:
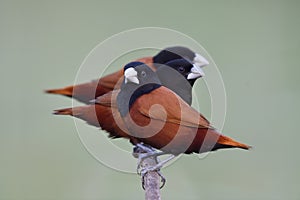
x=255 y=44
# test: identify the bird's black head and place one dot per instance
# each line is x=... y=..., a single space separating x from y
x=179 y=75
x=133 y=65
x=139 y=74
x=139 y=79
x=172 y=53
x=191 y=72
x=179 y=52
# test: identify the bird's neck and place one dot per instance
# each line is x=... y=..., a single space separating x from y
x=128 y=95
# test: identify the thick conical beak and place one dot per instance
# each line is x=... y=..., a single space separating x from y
x=131 y=76
x=196 y=72
x=200 y=60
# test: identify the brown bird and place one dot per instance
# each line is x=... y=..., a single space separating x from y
x=178 y=75
x=86 y=92
x=158 y=117
x=162 y=119
x=151 y=115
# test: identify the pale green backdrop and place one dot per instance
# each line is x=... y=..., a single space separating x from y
x=255 y=44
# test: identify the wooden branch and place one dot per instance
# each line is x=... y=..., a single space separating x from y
x=151 y=181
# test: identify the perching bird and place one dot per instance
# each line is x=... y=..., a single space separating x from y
x=179 y=75
x=147 y=113
x=184 y=130
x=158 y=117
x=86 y=92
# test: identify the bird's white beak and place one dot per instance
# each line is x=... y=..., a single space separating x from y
x=200 y=60
x=131 y=76
x=196 y=72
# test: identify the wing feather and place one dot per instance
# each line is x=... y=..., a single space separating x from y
x=176 y=110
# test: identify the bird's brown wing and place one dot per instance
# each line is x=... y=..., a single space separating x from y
x=164 y=121
x=173 y=106
x=109 y=99
x=103 y=116
x=88 y=91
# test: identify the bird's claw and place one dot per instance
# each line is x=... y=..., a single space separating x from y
x=145 y=148
x=142 y=157
x=141 y=148
x=142 y=152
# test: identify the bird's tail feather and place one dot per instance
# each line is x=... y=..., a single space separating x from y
x=76 y=111
x=226 y=142
x=66 y=91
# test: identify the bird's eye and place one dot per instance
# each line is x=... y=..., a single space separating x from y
x=143 y=73
x=181 y=69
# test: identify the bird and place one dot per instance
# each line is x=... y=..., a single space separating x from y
x=88 y=91
x=158 y=117
x=179 y=75
x=113 y=109
x=153 y=117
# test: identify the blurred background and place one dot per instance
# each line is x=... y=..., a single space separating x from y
x=255 y=44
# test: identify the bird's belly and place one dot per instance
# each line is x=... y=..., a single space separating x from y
x=168 y=137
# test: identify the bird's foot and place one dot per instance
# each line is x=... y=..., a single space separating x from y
x=156 y=168
x=142 y=152
x=159 y=165
x=141 y=148
x=143 y=156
